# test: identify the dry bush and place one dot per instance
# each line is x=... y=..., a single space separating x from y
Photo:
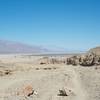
x=74 y=60
x=5 y=72
x=64 y=92
x=52 y=60
x=89 y=59
x=44 y=60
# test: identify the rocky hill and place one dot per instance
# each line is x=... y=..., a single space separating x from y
x=95 y=50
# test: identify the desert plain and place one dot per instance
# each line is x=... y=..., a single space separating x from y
x=22 y=77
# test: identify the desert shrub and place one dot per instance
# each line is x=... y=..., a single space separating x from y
x=74 y=60
x=89 y=59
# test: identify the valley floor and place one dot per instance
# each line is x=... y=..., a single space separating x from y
x=46 y=81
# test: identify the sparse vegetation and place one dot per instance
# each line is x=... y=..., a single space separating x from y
x=5 y=72
x=88 y=59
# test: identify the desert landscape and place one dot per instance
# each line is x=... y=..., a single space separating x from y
x=49 y=49
x=58 y=77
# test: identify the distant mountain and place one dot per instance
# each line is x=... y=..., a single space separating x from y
x=95 y=50
x=15 y=47
x=11 y=47
x=64 y=50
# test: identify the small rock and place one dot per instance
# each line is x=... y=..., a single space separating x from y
x=64 y=92
x=27 y=91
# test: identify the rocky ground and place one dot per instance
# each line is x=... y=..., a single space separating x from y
x=23 y=78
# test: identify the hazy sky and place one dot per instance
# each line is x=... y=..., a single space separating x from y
x=73 y=24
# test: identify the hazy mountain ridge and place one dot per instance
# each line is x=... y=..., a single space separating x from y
x=16 y=47
x=7 y=47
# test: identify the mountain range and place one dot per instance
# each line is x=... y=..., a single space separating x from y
x=16 y=47
x=12 y=47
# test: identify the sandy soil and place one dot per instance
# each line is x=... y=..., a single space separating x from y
x=80 y=83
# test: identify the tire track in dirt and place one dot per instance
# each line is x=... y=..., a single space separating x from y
x=79 y=90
